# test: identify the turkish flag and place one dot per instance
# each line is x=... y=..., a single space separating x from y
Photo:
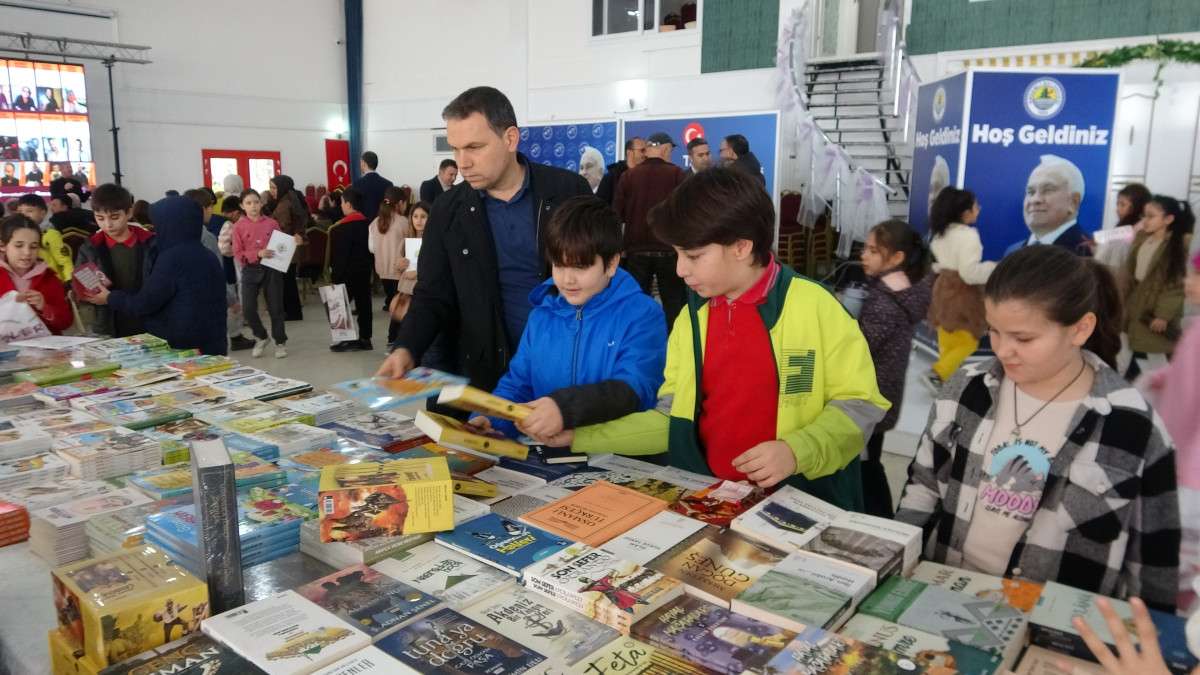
x=337 y=163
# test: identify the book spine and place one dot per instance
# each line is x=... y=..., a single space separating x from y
x=215 y=493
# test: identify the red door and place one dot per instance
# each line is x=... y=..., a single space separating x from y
x=256 y=167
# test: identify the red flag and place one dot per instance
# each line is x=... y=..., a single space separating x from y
x=337 y=163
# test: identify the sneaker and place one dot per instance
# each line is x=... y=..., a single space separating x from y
x=259 y=346
x=238 y=343
x=280 y=352
x=932 y=381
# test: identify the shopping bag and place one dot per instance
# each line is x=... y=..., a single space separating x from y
x=342 y=326
x=18 y=321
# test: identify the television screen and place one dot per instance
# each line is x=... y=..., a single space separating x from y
x=44 y=127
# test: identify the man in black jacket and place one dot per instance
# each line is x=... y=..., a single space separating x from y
x=735 y=152
x=442 y=182
x=371 y=185
x=483 y=250
x=635 y=153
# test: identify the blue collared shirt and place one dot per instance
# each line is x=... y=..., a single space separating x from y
x=514 y=232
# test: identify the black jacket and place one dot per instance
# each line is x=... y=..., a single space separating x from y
x=431 y=190
x=750 y=164
x=372 y=186
x=349 y=254
x=608 y=185
x=458 y=289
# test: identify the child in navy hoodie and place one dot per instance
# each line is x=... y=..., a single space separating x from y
x=595 y=345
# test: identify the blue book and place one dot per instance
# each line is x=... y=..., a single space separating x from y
x=448 y=642
x=506 y=544
x=534 y=466
x=261 y=449
x=418 y=384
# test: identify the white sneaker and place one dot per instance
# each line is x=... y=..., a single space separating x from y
x=280 y=352
x=259 y=346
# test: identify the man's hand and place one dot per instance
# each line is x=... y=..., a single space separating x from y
x=33 y=298
x=767 y=463
x=1128 y=660
x=396 y=364
x=545 y=421
x=1158 y=326
x=480 y=422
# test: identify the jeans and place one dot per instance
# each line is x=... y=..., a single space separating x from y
x=389 y=292
x=671 y=289
x=254 y=278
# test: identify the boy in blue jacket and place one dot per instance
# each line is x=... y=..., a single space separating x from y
x=595 y=345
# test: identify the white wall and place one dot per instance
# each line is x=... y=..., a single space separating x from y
x=264 y=75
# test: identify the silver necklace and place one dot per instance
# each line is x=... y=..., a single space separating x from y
x=1018 y=424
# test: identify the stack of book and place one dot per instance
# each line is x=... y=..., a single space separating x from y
x=373 y=602
x=324 y=408
x=170 y=436
x=260 y=421
x=39 y=468
x=108 y=453
x=232 y=411
x=137 y=413
x=34 y=496
x=14 y=523
x=198 y=398
x=58 y=534
x=141 y=376
x=195 y=366
x=22 y=440
x=124 y=348
x=293 y=438
x=17 y=394
x=389 y=431
x=175 y=480
x=70 y=371
x=345 y=553
x=263 y=387
x=236 y=373
x=60 y=393
x=113 y=532
x=195 y=654
x=805 y=591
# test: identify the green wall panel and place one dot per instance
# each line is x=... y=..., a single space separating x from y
x=738 y=34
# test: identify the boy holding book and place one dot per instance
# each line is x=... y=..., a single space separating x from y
x=121 y=251
x=768 y=378
x=594 y=346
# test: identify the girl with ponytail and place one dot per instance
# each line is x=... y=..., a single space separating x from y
x=896 y=264
x=1153 y=276
x=385 y=240
x=1044 y=463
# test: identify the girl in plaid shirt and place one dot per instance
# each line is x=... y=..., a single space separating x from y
x=1044 y=463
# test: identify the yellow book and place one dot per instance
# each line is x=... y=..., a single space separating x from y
x=466 y=397
x=471 y=486
x=449 y=431
x=121 y=604
x=381 y=499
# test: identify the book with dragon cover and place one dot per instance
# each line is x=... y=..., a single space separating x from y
x=379 y=499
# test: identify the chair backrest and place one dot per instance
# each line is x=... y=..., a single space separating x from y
x=332 y=232
x=318 y=243
x=789 y=209
x=74 y=238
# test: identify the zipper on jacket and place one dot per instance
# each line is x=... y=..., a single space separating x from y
x=575 y=349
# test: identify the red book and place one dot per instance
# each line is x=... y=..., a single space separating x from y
x=87 y=280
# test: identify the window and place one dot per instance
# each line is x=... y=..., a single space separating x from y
x=635 y=17
x=256 y=167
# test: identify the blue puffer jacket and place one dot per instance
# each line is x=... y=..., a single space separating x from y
x=598 y=362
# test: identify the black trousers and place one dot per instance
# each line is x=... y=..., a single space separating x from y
x=358 y=287
x=292 y=309
x=671 y=290
x=877 y=496
x=389 y=292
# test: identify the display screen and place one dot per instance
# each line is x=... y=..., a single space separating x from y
x=44 y=127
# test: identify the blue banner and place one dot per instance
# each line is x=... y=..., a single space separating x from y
x=937 y=146
x=761 y=130
x=1037 y=153
x=564 y=146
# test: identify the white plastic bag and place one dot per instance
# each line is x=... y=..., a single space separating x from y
x=18 y=321
x=342 y=326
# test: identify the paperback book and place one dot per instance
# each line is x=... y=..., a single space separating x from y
x=1016 y=592
x=196 y=366
x=378 y=499
x=368 y=599
x=445 y=641
x=70 y=371
x=138 y=413
x=867 y=552
x=508 y=545
x=449 y=431
x=507 y=483
x=518 y=505
x=324 y=407
x=132 y=378
x=788 y=599
x=788 y=519
x=720 y=503
x=263 y=387
x=39 y=468
x=594 y=514
x=466 y=397
x=936 y=654
x=171 y=437
x=108 y=453
x=340 y=554
x=58 y=535
x=654 y=537
x=175 y=480
x=196 y=654
x=378 y=393
x=459 y=461
x=369 y=661
x=545 y=626
x=59 y=393
x=451 y=577
x=316 y=460
x=717 y=564
x=227 y=375
x=294 y=438
x=389 y=431
x=262 y=421
x=1041 y=661
x=238 y=410
x=623 y=656
x=817 y=651
x=18 y=440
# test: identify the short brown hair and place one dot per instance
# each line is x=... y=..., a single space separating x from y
x=719 y=206
x=582 y=228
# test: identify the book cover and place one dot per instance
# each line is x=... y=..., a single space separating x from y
x=285 y=633
x=717 y=564
x=936 y=654
x=449 y=431
x=907 y=536
x=132 y=378
x=292 y=437
x=379 y=429
x=237 y=410
x=466 y=397
x=720 y=503
x=227 y=375
x=534 y=465
x=585 y=476
x=466 y=509
x=46 y=493
x=507 y=482
x=261 y=422
x=80 y=510
x=471 y=486
x=787 y=519
x=624 y=655
x=376 y=499
x=1040 y=661
x=458 y=460
x=601 y=586
x=508 y=545
x=1016 y=592
x=518 y=505
x=87 y=279
x=850 y=580
x=64 y=392
x=196 y=654
x=138 y=413
x=377 y=393
x=202 y=365
x=712 y=636
x=453 y=578
x=364 y=597
x=654 y=537
x=792 y=602
x=369 y=661
x=176 y=479
x=854 y=547
x=816 y=651
x=448 y=642
x=67 y=372
x=596 y=513
x=316 y=460
x=545 y=626
x=218 y=542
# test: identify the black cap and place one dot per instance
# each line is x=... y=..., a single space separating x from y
x=659 y=138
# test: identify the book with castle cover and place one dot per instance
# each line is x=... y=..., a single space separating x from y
x=712 y=636
x=654 y=537
x=378 y=393
x=596 y=513
x=1016 y=592
x=391 y=431
x=285 y=634
x=935 y=653
x=601 y=586
x=717 y=564
x=379 y=499
x=815 y=651
x=449 y=431
x=719 y=503
x=451 y=577
x=508 y=545
x=196 y=654
x=466 y=397
x=545 y=626
x=995 y=627
x=787 y=519
x=368 y=599
x=445 y=641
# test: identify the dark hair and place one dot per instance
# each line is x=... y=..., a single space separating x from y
x=212 y=195
x=371 y=160
x=738 y=144
x=424 y=206
x=719 y=206
x=246 y=193
x=1182 y=225
x=171 y=193
x=445 y=163
x=10 y=224
x=948 y=208
x=582 y=228
x=395 y=203
x=62 y=199
x=630 y=141
x=696 y=142
x=487 y=101
x=1066 y=287
x=352 y=197
x=1138 y=195
x=141 y=213
x=111 y=197
x=897 y=236
x=201 y=197
x=230 y=204
x=32 y=199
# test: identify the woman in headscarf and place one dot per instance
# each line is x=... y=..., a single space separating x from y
x=292 y=217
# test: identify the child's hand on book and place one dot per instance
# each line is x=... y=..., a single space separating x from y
x=1128 y=660
x=544 y=422
x=767 y=463
x=481 y=423
x=100 y=297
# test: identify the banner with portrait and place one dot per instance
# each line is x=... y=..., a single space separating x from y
x=760 y=129
x=586 y=148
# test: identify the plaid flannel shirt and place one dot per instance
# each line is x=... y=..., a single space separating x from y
x=1108 y=519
